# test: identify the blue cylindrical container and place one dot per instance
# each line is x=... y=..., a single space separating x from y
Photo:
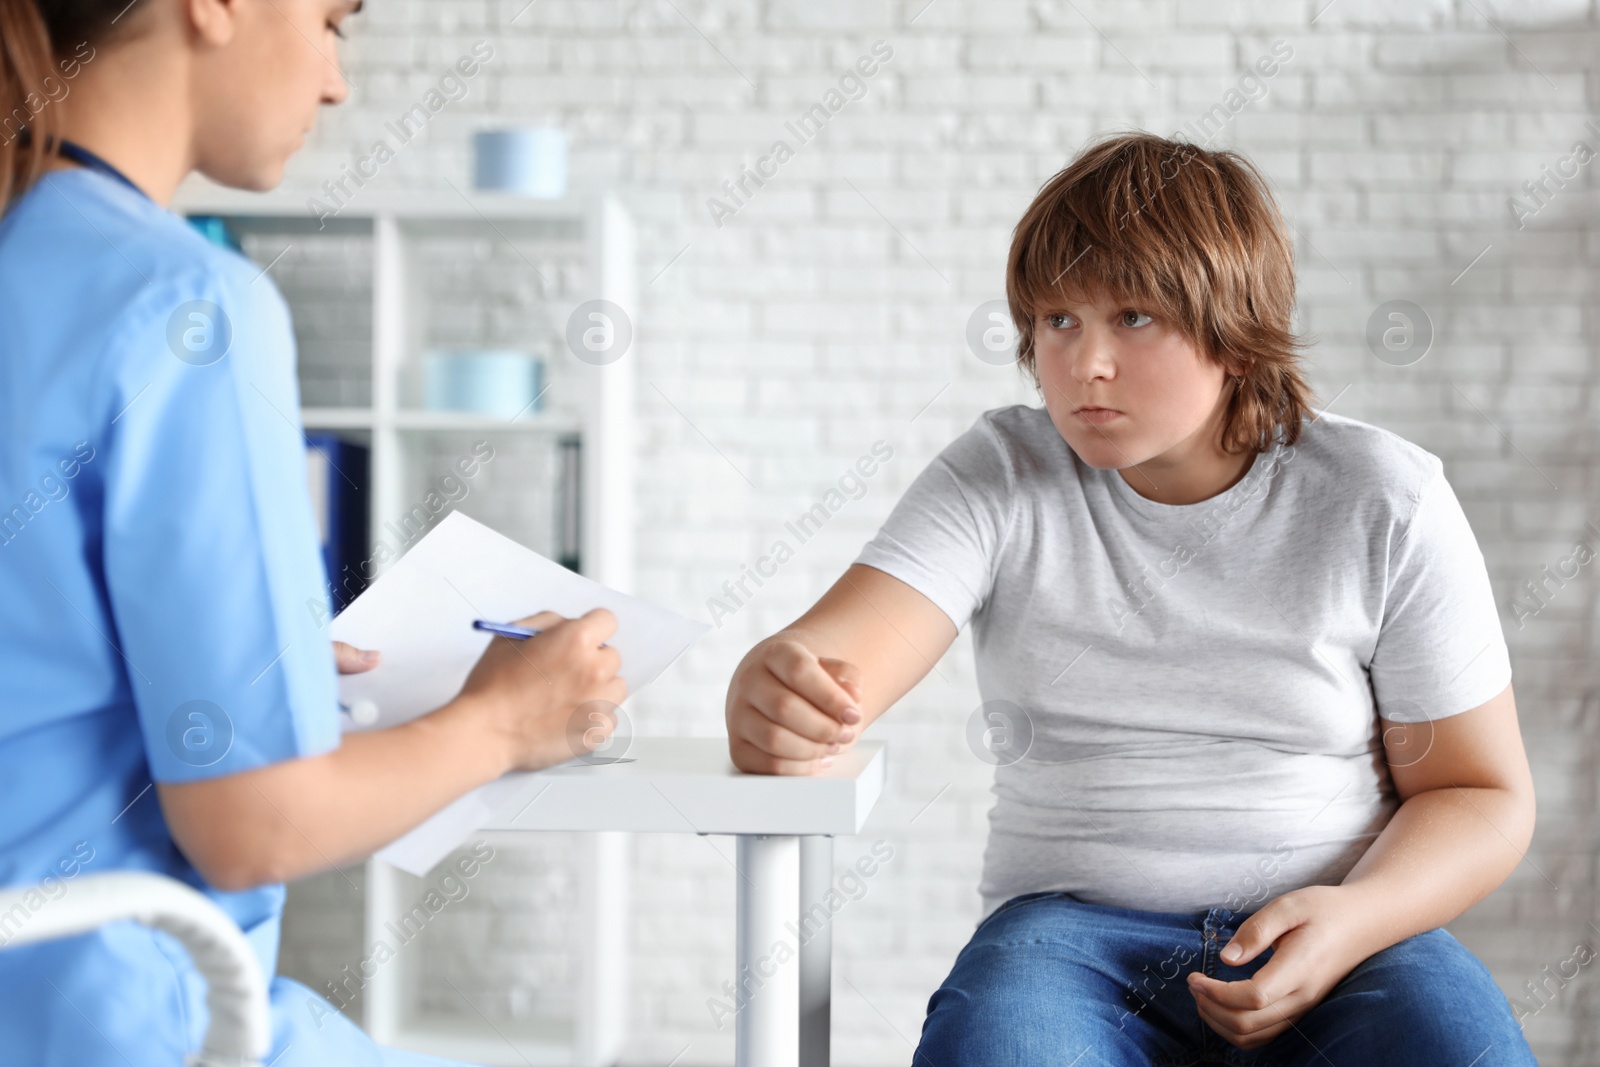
x=527 y=160
x=499 y=382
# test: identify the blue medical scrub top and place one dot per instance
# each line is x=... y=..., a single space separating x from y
x=163 y=599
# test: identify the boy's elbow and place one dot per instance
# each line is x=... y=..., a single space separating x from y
x=1522 y=803
x=1514 y=814
x=1527 y=808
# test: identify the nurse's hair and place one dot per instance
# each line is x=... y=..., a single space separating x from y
x=1189 y=235
x=43 y=44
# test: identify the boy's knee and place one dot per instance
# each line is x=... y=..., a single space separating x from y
x=1434 y=1001
x=999 y=1026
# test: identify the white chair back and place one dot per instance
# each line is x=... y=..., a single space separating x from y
x=240 y=1034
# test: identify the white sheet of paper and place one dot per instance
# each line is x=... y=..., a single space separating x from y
x=419 y=615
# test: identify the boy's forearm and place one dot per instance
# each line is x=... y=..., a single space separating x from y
x=1442 y=852
x=894 y=634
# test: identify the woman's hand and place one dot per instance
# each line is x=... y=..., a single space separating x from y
x=549 y=698
x=352 y=660
x=525 y=705
x=1316 y=935
x=790 y=711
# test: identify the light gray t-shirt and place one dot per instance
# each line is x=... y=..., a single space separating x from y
x=1202 y=682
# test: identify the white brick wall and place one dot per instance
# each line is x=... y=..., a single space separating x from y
x=808 y=327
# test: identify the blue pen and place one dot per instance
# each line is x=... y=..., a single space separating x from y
x=505 y=629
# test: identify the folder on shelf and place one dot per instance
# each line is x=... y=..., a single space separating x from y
x=419 y=614
x=336 y=470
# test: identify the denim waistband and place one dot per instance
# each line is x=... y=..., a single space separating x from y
x=1214 y=918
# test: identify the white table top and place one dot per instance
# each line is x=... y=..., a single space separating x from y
x=689 y=785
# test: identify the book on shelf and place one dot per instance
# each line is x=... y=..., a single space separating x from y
x=568 y=513
x=337 y=471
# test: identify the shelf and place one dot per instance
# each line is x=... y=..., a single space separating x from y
x=507 y=1044
x=538 y=421
x=286 y=212
x=336 y=418
x=366 y=419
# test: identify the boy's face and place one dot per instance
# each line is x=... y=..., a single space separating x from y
x=1167 y=397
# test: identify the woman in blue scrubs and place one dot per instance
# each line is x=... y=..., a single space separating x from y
x=167 y=701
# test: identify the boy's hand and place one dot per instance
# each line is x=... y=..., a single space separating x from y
x=1315 y=936
x=789 y=711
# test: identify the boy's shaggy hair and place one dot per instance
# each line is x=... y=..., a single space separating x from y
x=1190 y=235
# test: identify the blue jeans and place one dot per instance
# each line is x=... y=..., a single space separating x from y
x=1051 y=981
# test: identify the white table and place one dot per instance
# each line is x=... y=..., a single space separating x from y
x=785 y=827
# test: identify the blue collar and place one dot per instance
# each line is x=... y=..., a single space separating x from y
x=81 y=155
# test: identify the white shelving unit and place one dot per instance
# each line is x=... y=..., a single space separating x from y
x=420 y=248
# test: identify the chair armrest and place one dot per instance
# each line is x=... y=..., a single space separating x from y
x=240 y=1034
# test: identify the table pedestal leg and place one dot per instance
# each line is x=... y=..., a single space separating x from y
x=767 y=1028
x=816 y=950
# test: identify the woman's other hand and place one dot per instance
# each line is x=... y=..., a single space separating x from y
x=352 y=660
